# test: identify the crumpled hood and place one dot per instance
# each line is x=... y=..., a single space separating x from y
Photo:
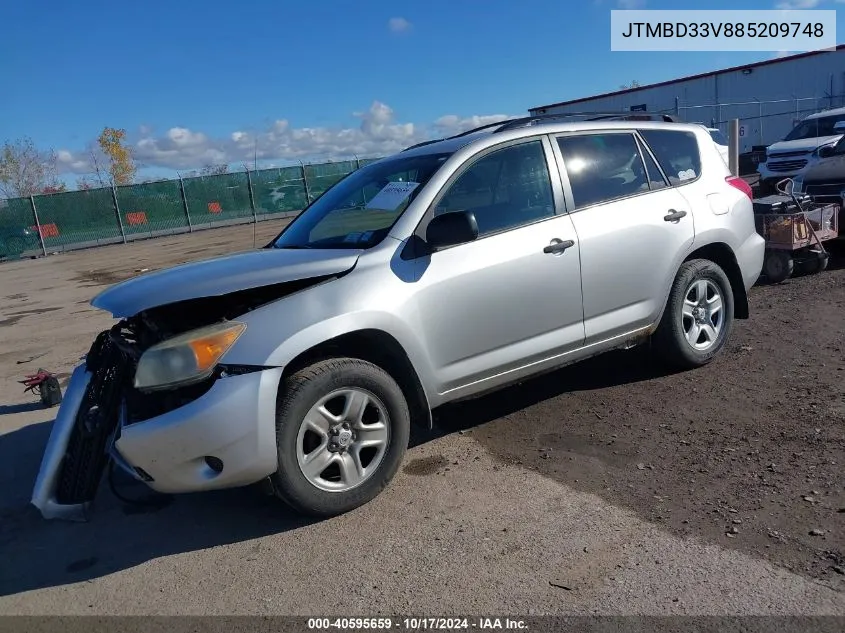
x=220 y=276
x=801 y=144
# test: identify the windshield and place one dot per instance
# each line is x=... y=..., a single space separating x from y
x=811 y=128
x=360 y=210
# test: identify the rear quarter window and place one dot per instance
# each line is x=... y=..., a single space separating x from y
x=718 y=137
x=677 y=152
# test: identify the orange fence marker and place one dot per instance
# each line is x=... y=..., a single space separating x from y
x=135 y=218
x=47 y=230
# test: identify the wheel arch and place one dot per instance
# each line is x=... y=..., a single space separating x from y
x=380 y=348
x=721 y=254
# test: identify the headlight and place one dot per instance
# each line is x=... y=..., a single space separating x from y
x=187 y=358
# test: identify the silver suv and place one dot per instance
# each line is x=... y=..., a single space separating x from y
x=449 y=269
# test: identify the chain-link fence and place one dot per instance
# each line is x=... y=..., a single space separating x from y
x=762 y=122
x=80 y=219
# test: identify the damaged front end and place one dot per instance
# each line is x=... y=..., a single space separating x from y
x=101 y=398
x=78 y=449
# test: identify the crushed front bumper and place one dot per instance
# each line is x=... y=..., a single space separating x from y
x=221 y=438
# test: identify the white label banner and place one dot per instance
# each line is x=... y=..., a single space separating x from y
x=782 y=30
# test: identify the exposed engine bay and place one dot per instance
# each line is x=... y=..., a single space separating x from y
x=82 y=440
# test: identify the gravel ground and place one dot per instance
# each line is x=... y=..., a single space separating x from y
x=610 y=487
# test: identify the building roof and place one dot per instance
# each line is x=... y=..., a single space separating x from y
x=682 y=79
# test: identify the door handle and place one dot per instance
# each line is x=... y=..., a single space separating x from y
x=674 y=216
x=557 y=246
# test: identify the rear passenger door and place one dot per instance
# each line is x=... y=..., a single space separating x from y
x=633 y=225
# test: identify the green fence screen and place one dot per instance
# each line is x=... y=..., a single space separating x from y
x=80 y=219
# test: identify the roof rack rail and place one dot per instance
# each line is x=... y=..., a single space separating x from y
x=434 y=140
x=486 y=126
x=590 y=116
x=510 y=124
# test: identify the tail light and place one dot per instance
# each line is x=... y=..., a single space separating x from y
x=738 y=183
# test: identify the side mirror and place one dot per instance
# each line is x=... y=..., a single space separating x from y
x=453 y=228
x=827 y=151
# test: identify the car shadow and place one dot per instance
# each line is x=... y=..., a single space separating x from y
x=600 y=372
x=22 y=407
x=37 y=553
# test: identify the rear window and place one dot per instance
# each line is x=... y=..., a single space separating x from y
x=718 y=137
x=677 y=153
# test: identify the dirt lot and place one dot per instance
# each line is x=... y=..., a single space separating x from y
x=608 y=487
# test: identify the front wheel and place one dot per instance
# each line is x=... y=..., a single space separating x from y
x=698 y=317
x=342 y=429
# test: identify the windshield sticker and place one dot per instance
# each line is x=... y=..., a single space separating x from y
x=352 y=238
x=688 y=174
x=366 y=236
x=394 y=194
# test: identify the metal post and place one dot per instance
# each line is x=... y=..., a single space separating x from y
x=117 y=212
x=185 y=203
x=251 y=204
x=733 y=148
x=251 y=196
x=305 y=182
x=357 y=162
x=677 y=109
x=759 y=119
x=38 y=225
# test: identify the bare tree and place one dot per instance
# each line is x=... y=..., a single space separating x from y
x=633 y=84
x=84 y=183
x=214 y=170
x=25 y=170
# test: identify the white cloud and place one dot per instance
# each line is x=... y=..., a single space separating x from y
x=803 y=4
x=798 y=4
x=379 y=133
x=453 y=124
x=398 y=25
x=631 y=4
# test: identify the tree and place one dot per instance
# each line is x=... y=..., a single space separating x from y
x=214 y=170
x=633 y=84
x=56 y=188
x=121 y=167
x=25 y=170
x=84 y=183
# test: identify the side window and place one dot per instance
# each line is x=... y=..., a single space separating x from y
x=655 y=178
x=507 y=188
x=603 y=167
x=677 y=153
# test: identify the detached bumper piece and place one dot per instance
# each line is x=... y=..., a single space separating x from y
x=77 y=452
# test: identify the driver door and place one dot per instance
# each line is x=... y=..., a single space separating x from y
x=504 y=305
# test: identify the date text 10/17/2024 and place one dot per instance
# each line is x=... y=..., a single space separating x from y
x=416 y=624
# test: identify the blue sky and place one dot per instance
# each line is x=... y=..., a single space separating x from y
x=204 y=82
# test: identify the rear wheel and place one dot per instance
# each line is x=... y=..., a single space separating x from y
x=342 y=429
x=698 y=317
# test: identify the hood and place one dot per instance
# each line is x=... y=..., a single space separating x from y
x=802 y=144
x=830 y=170
x=222 y=275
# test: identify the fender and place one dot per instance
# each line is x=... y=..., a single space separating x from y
x=281 y=331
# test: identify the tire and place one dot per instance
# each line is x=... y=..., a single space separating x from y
x=670 y=341
x=778 y=266
x=328 y=492
x=816 y=264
